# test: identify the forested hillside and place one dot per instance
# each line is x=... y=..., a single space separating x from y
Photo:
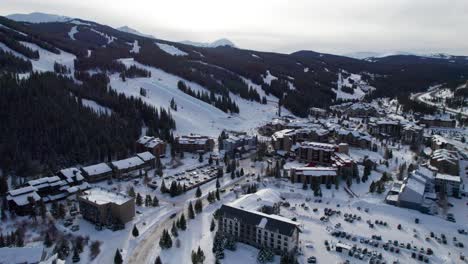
x=45 y=122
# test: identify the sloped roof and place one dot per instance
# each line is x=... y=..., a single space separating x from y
x=273 y=223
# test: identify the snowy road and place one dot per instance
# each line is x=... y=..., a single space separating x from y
x=420 y=97
x=143 y=251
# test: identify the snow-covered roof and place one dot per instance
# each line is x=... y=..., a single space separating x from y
x=77 y=188
x=23 y=190
x=254 y=201
x=282 y=133
x=16 y=255
x=425 y=172
x=436 y=117
x=69 y=173
x=447 y=177
x=273 y=223
x=45 y=182
x=128 y=163
x=149 y=142
x=146 y=156
x=412 y=190
x=192 y=139
x=101 y=196
x=97 y=169
x=318 y=145
x=316 y=171
x=444 y=154
x=20 y=196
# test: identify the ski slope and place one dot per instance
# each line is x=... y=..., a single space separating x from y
x=192 y=115
x=47 y=59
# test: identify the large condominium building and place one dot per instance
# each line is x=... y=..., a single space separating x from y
x=152 y=144
x=104 y=207
x=258 y=229
x=315 y=152
x=194 y=143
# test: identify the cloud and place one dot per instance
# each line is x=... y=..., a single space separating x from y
x=336 y=26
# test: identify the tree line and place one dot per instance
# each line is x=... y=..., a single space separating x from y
x=51 y=128
x=224 y=103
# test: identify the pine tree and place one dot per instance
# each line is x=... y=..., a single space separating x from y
x=217 y=184
x=372 y=187
x=155 y=201
x=166 y=241
x=2 y=240
x=217 y=194
x=191 y=213
x=118 y=257
x=61 y=211
x=198 y=206
x=174 y=230
x=163 y=187
x=213 y=225
x=158 y=260
x=139 y=199
x=174 y=190
x=200 y=255
x=135 y=231
x=42 y=209
x=198 y=193
x=182 y=222
x=47 y=240
x=200 y=158
x=131 y=192
x=3 y=186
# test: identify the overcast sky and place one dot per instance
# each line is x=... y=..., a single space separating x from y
x=333 y=26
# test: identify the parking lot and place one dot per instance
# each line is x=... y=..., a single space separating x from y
x=340 y=230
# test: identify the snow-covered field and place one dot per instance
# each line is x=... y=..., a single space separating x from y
x=46 y=58
x=169 y=49
x=193 y=116
x=361 y=89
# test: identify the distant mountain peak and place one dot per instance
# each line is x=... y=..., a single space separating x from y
x=217 y=43
x=134 y=31
x=363 y=55
x=38 y=17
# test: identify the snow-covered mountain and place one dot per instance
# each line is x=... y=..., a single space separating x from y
x=134 y=31
x=214 y=44
x=37 y=17
x=370 y=54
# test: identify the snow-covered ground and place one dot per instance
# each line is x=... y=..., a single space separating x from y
x=96 y=107
x=192 y=115
x=169 y=49
x=361 y=89
x=72 y=32
x=110 y=39
x=47 y=59
x=135 y=47
x=269 y=77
